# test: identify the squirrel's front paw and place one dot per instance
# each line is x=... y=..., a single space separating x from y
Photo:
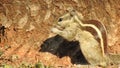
x=55 y=30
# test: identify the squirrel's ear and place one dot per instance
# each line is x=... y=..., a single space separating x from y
x=72 y=13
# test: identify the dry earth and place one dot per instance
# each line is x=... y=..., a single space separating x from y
x=27 y=37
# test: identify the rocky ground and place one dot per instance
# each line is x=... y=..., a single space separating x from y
x=25 y=36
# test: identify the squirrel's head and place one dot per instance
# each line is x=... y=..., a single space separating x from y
x=67 y=19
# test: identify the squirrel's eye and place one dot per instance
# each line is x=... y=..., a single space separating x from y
x=60 y=19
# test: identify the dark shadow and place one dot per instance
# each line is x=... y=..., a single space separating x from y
x=59 y=46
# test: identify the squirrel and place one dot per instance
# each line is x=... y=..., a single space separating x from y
x=91 y=34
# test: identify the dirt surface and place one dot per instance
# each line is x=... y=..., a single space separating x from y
x=27 y=38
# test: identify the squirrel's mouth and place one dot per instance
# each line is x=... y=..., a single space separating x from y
x=59 y=27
